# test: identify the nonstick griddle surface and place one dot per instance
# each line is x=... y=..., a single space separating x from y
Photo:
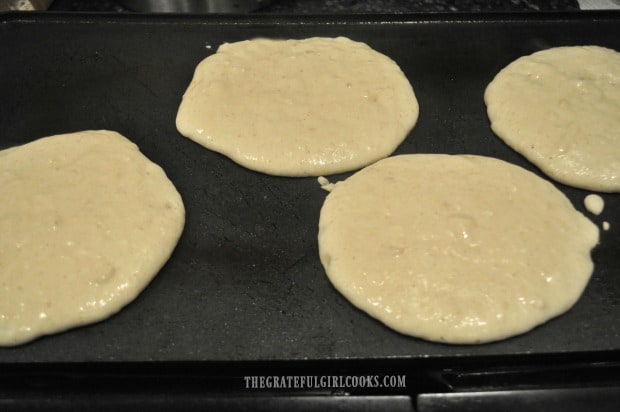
x=245 y=282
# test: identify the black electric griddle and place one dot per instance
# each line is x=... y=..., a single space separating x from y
x=244 y=292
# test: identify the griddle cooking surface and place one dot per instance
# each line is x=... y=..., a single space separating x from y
x=245 y=282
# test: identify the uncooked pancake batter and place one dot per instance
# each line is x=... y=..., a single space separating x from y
x=307 y=107
x=86 y=221
x=594 y=204
x=560 y=108
x=457 y=249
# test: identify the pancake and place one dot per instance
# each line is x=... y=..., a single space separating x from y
x=560 y=108
x=87 y=221
x=309 y=107
x=455 y=248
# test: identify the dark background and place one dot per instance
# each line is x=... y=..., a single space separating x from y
x=356 y=6
x=245 y=282
x=144 y=361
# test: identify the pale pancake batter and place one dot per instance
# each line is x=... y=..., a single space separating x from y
x=86 y=221
x=594 y=204
x=325 y=183
x=307 y=107
x=457 y=249
x=560 y=108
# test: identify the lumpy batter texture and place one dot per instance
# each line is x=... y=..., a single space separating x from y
x=457 y=249
x=86 y=221
x=560 y=108
x=307 y=107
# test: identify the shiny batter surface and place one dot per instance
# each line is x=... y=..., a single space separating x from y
x=560 y=108
x=456 y=249
x=307 y=107
x=86 y=221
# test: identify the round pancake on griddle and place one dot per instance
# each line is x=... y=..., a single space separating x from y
x=306 y=107
x=560 y=108
x=455 y=248
x=86 y=221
